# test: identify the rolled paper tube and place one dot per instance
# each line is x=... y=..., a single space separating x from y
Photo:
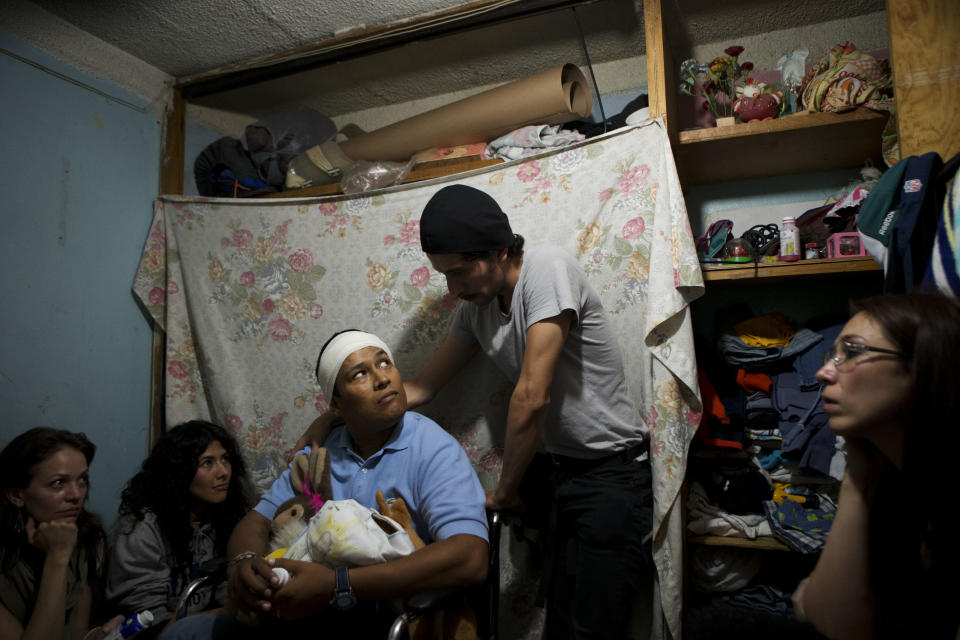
x=550 y=97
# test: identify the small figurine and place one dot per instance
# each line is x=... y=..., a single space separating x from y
x=754 y=103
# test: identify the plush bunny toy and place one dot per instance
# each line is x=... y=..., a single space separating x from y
x=310 y=480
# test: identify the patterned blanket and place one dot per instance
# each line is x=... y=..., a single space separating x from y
x=247 y=291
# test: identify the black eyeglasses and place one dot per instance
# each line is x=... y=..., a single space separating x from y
x=845 y=350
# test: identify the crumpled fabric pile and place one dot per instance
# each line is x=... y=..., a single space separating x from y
x=846 y=78
x=530 y=140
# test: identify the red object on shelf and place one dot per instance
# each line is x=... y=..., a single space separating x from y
x=845 y=245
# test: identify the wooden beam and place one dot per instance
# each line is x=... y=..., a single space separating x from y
x=661 y=75
x=171 y=181
x=175 y=127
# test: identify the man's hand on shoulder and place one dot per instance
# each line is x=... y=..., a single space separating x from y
x=316 y=434
x=308 y=591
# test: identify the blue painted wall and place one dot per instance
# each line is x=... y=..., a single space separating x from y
x=79 y=174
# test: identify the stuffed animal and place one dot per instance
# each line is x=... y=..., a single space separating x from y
x=755 y=102
x=291 y=519
x=310 y=481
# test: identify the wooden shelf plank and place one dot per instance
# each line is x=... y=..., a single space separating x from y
x=766 y=543
x=798 y=143
x=439 y=168
x=782 y=270
x=422 y=171
x=797 y=121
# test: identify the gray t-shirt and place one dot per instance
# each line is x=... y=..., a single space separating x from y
x=590 y=413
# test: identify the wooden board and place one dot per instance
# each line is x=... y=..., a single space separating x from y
x=661 y=81
x=925 y=47
x=171 y=181
x=784 y=270
x=798 y=143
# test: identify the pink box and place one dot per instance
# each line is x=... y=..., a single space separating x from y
x=845 y=245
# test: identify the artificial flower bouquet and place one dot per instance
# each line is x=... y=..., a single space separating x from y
x=718 y=84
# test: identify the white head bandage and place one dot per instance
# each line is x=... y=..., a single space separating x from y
x=339 y=349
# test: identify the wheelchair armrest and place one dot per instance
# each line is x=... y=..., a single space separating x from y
x=428 y=601
x=209 y=572
x=423 y=603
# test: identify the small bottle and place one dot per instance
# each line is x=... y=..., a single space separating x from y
x=810 y=251
x=134 y=623
x=282 y=575
x=789 y=240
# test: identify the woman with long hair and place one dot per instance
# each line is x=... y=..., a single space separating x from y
x=176 y=513
x=891 y=388
x=51 y=547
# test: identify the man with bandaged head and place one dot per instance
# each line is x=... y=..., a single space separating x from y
x=536 y=316
x=380 y=447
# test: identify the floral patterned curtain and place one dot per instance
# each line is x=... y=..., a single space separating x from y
x=248 y=291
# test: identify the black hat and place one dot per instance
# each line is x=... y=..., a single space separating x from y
x=461 y=219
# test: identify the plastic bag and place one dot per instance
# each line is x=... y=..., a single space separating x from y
x=792 y=69
x=346 y=533
x=366 y=176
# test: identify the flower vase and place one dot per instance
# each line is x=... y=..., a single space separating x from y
x=726 y=121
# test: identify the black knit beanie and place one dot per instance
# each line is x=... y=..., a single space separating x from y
x=461 y=219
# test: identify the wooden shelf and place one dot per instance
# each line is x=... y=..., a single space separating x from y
x=422 y=171
x=799 y=143
x=765 y=543
x=788 y=270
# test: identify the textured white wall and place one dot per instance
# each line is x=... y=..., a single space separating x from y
x=868 y=32
x=378 y=89
x=82 y=50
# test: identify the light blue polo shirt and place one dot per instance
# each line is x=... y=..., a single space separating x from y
x=421 y=463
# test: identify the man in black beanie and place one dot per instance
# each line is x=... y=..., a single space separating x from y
x=535 y=315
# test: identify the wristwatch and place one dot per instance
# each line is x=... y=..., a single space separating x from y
x=343 y=596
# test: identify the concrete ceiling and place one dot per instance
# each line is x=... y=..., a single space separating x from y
x=186 y=38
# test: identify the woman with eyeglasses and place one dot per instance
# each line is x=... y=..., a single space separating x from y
x=891 y=388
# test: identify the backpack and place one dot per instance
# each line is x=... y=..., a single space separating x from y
x=224 y=170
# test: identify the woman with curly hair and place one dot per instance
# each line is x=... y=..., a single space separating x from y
x=175 y=513
x=51 y=547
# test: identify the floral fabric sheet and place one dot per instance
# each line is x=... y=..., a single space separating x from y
x=247 y=291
